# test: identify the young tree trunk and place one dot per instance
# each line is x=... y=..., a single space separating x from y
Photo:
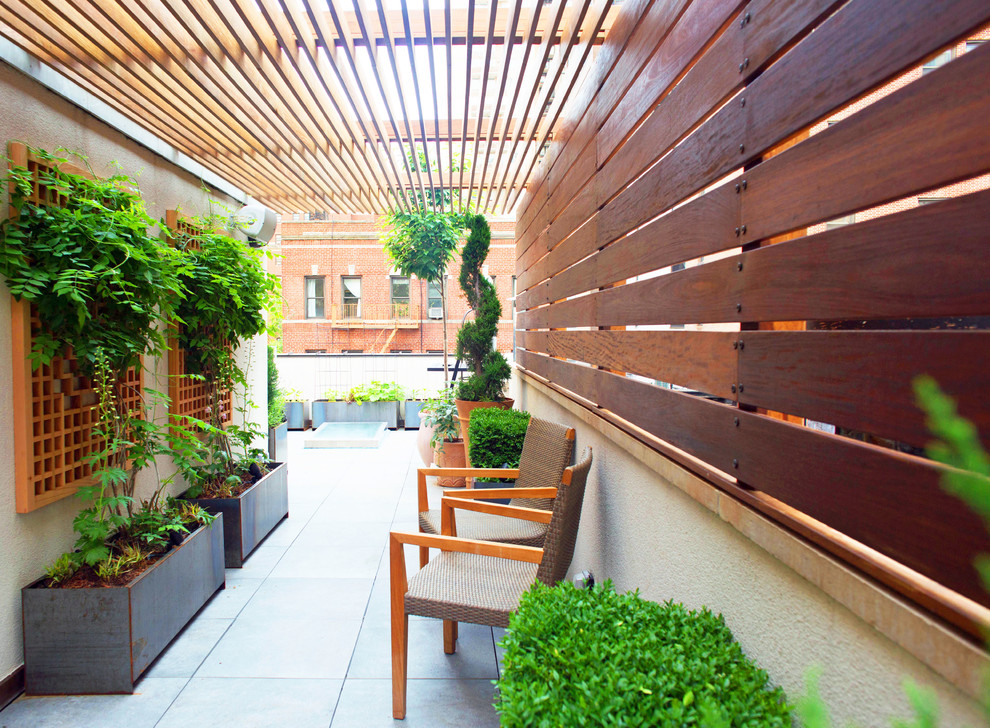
x=443 y=306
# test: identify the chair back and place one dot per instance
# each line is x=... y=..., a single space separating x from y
x=546 y=452
x=558 y=549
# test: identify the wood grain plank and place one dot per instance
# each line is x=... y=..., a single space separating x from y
x=889 y=501
x=924 y=262
x=861 y=380
x=704 y=361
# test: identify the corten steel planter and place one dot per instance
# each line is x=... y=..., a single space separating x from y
x=252 y=515
x=100 y=640
x=452 y=456
x=278 y=442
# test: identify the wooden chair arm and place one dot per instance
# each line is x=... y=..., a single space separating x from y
x=530 y=554
x=482 y=493
x=448 y=526
x=506 y=473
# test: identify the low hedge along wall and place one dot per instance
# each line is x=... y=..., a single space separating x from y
x=496 y=437
x=596 y=658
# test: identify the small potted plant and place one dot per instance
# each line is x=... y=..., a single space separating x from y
x=278 y=426
x=490 y=371
x=440 y=424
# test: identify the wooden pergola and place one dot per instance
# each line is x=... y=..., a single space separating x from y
x=339 y=106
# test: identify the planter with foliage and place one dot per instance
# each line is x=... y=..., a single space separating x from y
x=439 y=415
x=374 y=402
x=227 y=289
x=100 y=639
x=103 y=290
x=585 y=657
x=490 y=371
x=496 y=439
x=250 y=515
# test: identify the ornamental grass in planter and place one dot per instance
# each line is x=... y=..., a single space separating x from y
x=597 y=658
x=102 y=290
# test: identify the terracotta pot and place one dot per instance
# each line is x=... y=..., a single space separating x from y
x=464 y=409
x=423 y=438
x=452 y=456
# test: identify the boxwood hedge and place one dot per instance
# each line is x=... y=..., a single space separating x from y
x=597 y=658
x=496 y=437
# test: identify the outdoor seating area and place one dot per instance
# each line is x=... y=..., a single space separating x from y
x=494 y=363
x=300 y=636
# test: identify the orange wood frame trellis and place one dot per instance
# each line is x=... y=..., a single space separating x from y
x=54 y=405
x=188 y=397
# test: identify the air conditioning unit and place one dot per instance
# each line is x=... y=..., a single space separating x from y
x=436 y=312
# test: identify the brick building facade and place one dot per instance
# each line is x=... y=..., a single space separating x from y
x=341 y=294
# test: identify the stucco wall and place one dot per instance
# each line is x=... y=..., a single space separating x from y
x=39 y=118
x=641 y=531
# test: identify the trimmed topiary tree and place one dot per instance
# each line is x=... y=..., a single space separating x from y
x=490 y=370
x=496 y=437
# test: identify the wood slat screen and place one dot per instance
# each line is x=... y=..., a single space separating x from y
x=54 y=405
x=188 y=396
x=771 y=352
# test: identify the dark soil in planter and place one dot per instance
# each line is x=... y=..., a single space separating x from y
x=219 y=489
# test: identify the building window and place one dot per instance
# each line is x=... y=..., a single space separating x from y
x=840 y=222
x=435 y=300
x=314 y=297
x=316 y=351
x=972 y=45
x=351 y=297
x=940 y=60
x=400 y=297
x=352 y=351
x=401 y=351
x=930 y=200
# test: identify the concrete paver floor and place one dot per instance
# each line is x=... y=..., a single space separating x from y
x=300 y=636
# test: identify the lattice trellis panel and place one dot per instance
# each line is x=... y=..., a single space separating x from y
x=189 y=397
x=54 y=406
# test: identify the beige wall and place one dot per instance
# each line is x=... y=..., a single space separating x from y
x=33 y=115
x=644 y=526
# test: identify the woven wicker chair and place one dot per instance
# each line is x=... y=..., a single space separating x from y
x=478 y=581
x=546 y=452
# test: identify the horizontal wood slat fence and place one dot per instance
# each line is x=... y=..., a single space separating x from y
x=54 y=406
x=668 y=279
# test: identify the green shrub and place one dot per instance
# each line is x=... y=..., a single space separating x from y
x=496 y=437
x=597 y=658
x=276 y=397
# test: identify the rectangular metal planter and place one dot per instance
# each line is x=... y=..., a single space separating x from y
x=326 y=411
x=278 y=442
x=410 y=417
x=252 y=515
x=100 y=640
x=295 y=414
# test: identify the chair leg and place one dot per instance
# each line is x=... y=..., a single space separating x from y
x=424 y=556
x=400 y=661
x=449 y=636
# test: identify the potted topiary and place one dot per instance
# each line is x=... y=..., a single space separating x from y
x=100 y=289
x=496 y=441
x=489 y=370
x=278 y=426
x=440 y=423
x=226 y=291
